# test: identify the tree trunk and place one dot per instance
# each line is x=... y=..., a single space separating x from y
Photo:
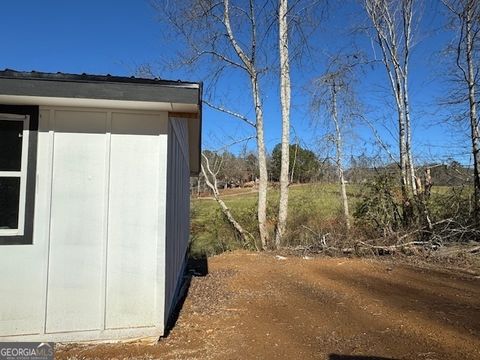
x=249 y=66
x=403 y=153
x=398 y=88
x=262 y=164
x=285 y=104
x=292 y=172
x=424 y=198
x=418 y=204
x=407 y=29
x=405 y=179
x=475 y=134
x=199 y=185
x=339 y=157
x=408 y=140
x=388 y=30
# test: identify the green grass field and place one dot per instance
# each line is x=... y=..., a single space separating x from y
x=313 y=209
x=312 y=205
x=325 y=197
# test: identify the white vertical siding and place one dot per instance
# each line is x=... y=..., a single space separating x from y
x=96 y=269
x=74 y=297
x=133 y=219
x=178 y=208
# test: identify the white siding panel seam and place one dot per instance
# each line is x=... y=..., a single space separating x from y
x=51 y=127
x=108 y=140
x=78 y=192
x=134 y=219
x=161 y=240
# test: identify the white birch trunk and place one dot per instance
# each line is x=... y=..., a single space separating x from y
x=292 y=173
x=199 y=185
x=387 y=26
x=262 y=166
x=474 y=127
x=339 y=158
x=407 y=30
x=285 y=104
x=249 y=66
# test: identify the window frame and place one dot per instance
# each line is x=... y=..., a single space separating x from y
x=23 y=235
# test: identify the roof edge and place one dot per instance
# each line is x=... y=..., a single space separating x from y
x=90 y=78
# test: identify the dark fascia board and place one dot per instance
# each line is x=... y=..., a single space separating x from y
x=196 y=169
x=105 y=87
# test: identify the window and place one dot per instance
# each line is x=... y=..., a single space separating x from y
x=18 y=127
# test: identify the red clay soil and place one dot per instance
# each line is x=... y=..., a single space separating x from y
x=256 y=306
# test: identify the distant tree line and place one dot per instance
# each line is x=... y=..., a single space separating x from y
x=305 y=166
x=238 y=170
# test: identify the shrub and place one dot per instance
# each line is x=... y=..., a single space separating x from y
x=379 y=211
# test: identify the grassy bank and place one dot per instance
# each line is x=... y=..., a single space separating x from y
x=314 y=209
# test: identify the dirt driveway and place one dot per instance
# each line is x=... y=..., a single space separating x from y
x=256 y=306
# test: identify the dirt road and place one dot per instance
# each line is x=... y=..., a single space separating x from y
x=255 y=306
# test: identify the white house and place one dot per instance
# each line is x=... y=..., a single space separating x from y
x=94 y=203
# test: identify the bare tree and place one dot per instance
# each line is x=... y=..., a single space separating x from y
x=339 y=154
x=227 y=35
x=392 y=22
x=285 y=90
x=334 y=91
x=210 y=176
x=467 y=16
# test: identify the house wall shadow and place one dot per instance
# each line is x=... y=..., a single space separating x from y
x=196 y=266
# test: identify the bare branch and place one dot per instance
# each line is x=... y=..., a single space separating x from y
x=237 y=142
x=379 y=139
x=231 y=113
x=211 y=181
x=226 y=22
x=221 y=57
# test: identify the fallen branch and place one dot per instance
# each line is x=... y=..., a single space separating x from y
x=321 y=237
x=212 y=184
x=360 y=246
x=393 y=248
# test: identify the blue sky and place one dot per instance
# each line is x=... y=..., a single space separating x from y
x=116 y=37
